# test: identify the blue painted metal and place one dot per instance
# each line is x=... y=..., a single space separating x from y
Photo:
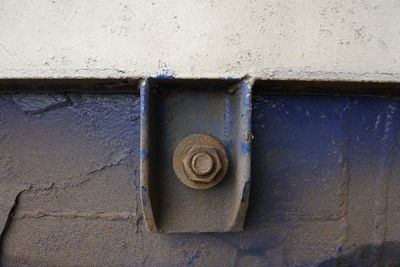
x=325 y=184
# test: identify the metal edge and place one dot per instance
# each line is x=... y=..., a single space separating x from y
x=147 y=209
x=245 y=138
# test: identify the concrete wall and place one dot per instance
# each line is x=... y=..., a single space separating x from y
x=311 y=39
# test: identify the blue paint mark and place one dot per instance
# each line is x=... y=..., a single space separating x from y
x=245 y=147
x=165 y=76
x=327 y=263
x=164 y=72
x=193 y=258
x=143 y=154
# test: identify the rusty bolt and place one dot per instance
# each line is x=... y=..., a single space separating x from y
x=201 y=163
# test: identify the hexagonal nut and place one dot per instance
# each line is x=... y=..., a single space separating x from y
x=188 y=158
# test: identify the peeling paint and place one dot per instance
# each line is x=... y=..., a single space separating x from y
x=35 y=104
x=112 y=216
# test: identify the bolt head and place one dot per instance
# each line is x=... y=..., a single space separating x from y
x=202 y=163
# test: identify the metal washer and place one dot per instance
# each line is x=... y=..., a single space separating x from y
x=185 y=145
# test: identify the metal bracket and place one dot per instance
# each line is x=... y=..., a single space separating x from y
x=195 y=154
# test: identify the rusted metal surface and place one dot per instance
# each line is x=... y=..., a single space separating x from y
x=203 y=164
x=176 y=159
x=200 y=161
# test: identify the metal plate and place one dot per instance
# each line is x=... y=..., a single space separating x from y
x=172 y=110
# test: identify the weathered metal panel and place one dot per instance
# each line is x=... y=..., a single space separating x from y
x=324 y=184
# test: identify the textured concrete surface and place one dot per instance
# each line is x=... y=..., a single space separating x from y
x=324 y=185
x=282 y=39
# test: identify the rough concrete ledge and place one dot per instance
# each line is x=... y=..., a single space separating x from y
x=280 y=39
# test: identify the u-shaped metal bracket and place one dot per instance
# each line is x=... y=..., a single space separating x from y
x=195 y=150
